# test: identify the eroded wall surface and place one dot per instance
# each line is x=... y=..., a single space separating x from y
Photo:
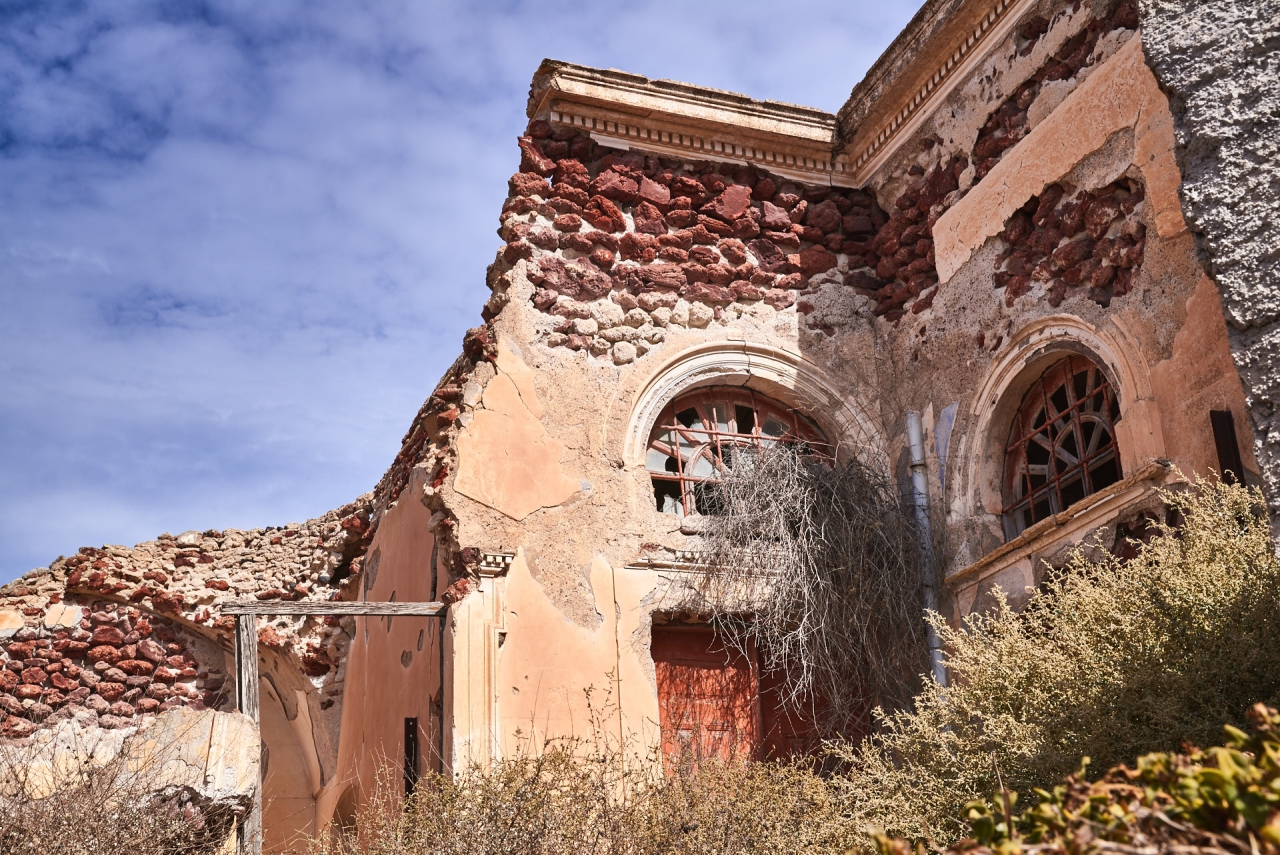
x=1219 y=62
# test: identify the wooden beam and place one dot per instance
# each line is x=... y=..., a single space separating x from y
x=284 y=607
x=250 y=831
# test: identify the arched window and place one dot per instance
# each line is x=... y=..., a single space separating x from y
x=698 y=433
x=1062 y=445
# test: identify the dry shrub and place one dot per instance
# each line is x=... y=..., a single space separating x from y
x=1110 y=659
x=818 y=564
x=92 y=798
x=563 y=800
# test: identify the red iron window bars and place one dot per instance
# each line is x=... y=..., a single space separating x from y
x=1062 y=444
x=697 y=435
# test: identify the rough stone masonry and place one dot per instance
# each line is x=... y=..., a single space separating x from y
x=1219 y=63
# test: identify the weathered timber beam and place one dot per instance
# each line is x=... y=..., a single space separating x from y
x=283 y=607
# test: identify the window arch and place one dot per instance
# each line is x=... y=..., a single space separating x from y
x=696 y=435
x=1062 y=444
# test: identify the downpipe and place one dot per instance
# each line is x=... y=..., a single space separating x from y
x=920 y=497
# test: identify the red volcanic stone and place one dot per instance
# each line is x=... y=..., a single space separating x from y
x=76 y=649
x=574 y=196
x=814 y=260
x=217 y=584
x=681 y=218
x=702 y=292
x=135 y=667
x=746 y=291
x=150 y=650
x=28 y=691
x=10 y=705
x=523 y=184
x=665 y=277
x=779 y=298
x=615 y=186
x=745 y=228
x=714 y=226
x=577 y=242
x=638 y=247
x=602 y=258
x=109 y=692
x=772 y=259
x=567 y=222
x=720 y=274
x=159 y=691
x=734 y=251
x=673 y=254
x=103 y=653
x=571 y=173
x=602 y=214
x=764 y=189
x=701 y=235
x=122 y=709
x=1071 y=254
x=691 y=188
x=532 y=158
x=649 y=219
x=544 y=238
x=513 y=253
x=704 y=255
x=824 y=216
x=147 y=705
x=654 y=193
x=164 y=675
x=21 y=650
x=34 y=676
x=729 y=205
x=1099 y=215
x=858 y=224
x=713 y=181
x=682 y=239
x=563 y=206
x=8 y=679
x=64 y=683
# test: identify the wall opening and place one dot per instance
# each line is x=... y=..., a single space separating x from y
x=412 y=756
x=698 y=434
x=1062 y=443
x=716 y=702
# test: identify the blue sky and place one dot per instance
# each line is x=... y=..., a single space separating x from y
x=240 y=241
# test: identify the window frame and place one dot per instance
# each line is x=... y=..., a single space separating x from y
x=710 y=436
x=1025 y=502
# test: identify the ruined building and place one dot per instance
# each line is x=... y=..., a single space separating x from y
x=1025 y=225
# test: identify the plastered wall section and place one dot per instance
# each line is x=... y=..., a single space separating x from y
x=393 y=669
x=1180 y=380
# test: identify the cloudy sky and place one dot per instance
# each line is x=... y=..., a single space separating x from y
x=240 y=241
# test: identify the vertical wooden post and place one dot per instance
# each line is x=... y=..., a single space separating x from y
x=247 y=703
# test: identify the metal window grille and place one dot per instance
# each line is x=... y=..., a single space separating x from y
x=697 y=435
x=1062 y=444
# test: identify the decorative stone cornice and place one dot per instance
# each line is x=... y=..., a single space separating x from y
x=689 y=122
x=495 y=563
x=942 y=44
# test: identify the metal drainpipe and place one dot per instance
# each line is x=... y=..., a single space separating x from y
x=920 y=493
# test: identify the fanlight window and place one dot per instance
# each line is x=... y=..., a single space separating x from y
x=1062 y=445
x=698 y=434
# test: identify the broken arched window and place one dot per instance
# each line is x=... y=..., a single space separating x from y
x=698 y=434
x=1062 y=444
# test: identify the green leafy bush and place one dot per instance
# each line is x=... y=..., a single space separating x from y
x=1110 y=659
x=1225 y=799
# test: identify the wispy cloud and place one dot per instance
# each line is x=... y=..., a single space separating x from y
x=240 y=240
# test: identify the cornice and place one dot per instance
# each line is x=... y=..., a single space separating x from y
x=690 y=122
x=944 y=42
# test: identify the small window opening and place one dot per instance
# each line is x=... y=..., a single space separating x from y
x=1062 y=444
x=412 y=756
x=1230 y=465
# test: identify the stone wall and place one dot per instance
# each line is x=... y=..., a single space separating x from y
x=120 y=633
x=1219 y=62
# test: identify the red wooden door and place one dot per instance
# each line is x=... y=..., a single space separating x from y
x=708 y=696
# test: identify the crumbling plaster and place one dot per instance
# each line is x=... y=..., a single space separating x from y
x=1218 y=61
